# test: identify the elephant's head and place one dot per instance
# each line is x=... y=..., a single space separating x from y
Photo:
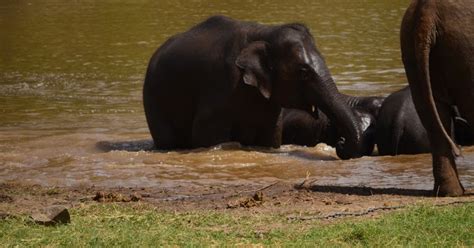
x=286 y=67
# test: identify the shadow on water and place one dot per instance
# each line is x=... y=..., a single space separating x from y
x=147 y=145
x=367 y=191
x=129 y=146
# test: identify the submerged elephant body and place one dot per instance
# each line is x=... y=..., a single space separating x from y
x=400 y=131
x=311 y=128
x=304 y=128
x=226 y=80
x=437 y=41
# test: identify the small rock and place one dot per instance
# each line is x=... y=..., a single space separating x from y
x=52 y=216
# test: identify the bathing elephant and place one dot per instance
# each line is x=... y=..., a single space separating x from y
x=437 y=43
x=367 y=104
x=310 y=128
x=226 y=80
x=399 y=129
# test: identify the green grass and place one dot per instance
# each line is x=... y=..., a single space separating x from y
x=111 y=225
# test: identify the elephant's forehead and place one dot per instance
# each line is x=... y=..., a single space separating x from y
x=307 y=57
x=304 y=51
x=298 y=50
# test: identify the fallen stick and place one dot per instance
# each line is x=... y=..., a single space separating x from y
x=361 y=213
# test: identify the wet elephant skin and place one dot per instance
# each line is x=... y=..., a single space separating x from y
x=226 y=80
x=400 y=131
x=437 y=41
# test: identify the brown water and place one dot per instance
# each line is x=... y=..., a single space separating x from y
x=71 y=74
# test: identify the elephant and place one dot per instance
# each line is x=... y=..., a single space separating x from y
x=227 y=80
x=367 y=104
x=437 y=44
x=399 y=129
x=310 y=128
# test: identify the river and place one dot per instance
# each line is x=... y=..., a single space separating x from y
x=71 y=75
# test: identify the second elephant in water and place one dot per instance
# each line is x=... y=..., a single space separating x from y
x=308 y=129
x=399 y=129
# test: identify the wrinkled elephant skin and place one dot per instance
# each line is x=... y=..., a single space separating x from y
x=226 y=80
x=437 y=41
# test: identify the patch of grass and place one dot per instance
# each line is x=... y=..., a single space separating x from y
x=111 y=225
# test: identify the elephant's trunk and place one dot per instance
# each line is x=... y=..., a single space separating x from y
x=333 y=104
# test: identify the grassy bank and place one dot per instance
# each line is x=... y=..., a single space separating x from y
x=114 y=225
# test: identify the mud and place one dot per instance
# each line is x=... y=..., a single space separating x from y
x=298 y=201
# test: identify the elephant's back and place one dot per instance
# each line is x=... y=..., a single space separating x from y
x=198 y=58
x=207 y=42
x=454 y=48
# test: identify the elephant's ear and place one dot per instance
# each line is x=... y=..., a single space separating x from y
x=255 y=72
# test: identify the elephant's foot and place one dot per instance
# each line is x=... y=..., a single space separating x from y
x=448 y=184
x=446 y=177
x=452 y=188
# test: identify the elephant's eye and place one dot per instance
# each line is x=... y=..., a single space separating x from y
x=305 y=73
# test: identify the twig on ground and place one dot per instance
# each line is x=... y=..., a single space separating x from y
x=365 y=212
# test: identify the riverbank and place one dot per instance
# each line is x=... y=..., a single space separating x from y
x=274 y=214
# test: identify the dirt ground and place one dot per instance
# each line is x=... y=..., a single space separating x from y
x=296 y=201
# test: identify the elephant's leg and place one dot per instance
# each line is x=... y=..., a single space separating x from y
x=444 y=166
x=447 y=181
x=164 y=135
x=270 y=136
x=210 y=127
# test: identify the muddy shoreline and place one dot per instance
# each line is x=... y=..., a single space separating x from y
x=302 y=201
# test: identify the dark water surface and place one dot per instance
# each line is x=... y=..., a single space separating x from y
x=71 y=74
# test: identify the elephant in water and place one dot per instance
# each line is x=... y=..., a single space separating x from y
x=310 y=128
x=226 y=80
x=437 y=42
x=399 y=129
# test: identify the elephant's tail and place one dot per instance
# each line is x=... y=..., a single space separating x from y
x=425 y=38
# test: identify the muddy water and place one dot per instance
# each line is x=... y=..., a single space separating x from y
x=70 y=94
